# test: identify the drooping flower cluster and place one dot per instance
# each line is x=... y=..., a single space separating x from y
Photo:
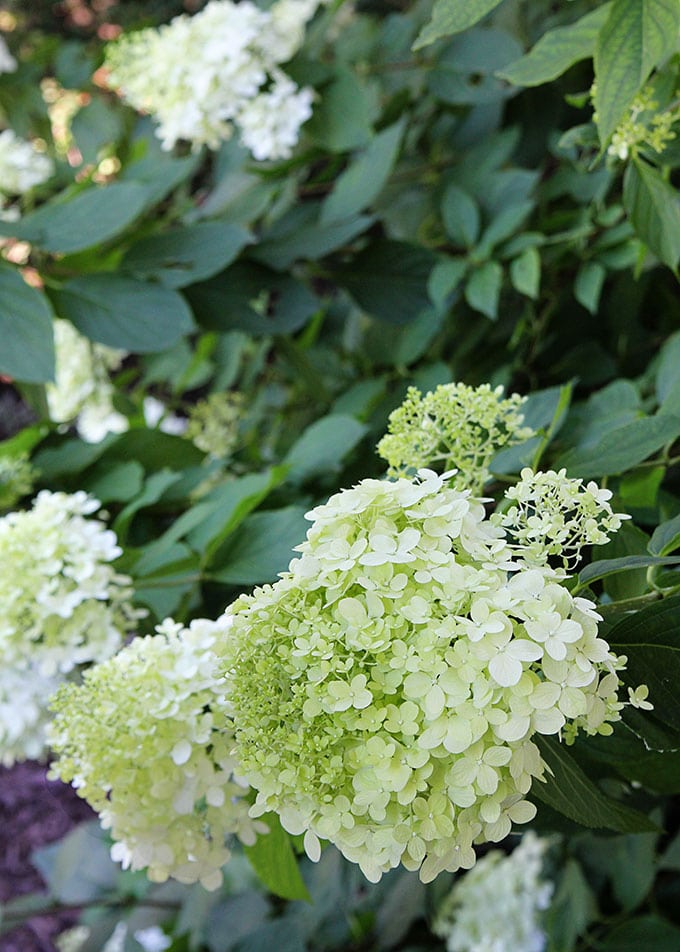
x=213 y=423
x=62 y=605
x=386 y=688
x=497 y=906
x=22 y=166
x=202 y=76
x=552 y=515
x=82 y=390
x=147 y=740
x=454 y=427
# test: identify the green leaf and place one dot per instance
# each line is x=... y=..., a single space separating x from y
x=93 y=216
x=94 y=126
x=389 y=280
x=77 y=868
x=453 y=16
x=273 y=859
x=323 y=446
x=461 y=216
x=601 y=569
x=300 y=234
x=261 y=548
x=121 y=312
x=343 y=119
x=186 y=255
x=557 y=50
x=622 y=448
x=362 y=182
x=27 y=351
x=654 y=209
x=570 y=792
x=483 y=288
x=666 y=537
x=630 y=862
x=154 y=488
x=636 y=36
x=651 y=640
x=445 y=278
x=525 y=273
x=116 y=483
x=648 y=933
x=571 y=910
x=588 y=285
x=504 y=225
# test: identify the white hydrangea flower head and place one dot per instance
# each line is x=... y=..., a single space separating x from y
x=147 y=740
x=204 y=75
x=63 y=606
x=453 y=427
x=552 y=515
x=497 y=906
x=22 y=166
x=8 y=64
x=82 y=390
x=387 y=687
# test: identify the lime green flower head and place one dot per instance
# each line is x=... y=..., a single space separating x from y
x=386 y=689
x=454 y=427
x=214 y=423
x=147 y=741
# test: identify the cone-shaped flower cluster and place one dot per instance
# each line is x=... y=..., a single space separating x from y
x=202 y=76
x=147 y=740
x=63 y=605
x=386 y=689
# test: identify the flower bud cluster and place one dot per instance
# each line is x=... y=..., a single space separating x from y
x=83 y=390
x=497 y=906
x=147 y=740
x=214 y=423
x=63 y=605
x=454 y=427
x=386 y=689
x=202 y=76
x=644 y=126
x=553 y=515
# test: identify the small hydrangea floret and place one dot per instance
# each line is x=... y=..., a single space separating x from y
x=147 y=740
x=387 y=688
x=453 y=427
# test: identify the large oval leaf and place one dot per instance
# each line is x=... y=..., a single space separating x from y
x=27 y=351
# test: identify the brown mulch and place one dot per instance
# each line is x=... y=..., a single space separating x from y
x=34 y=811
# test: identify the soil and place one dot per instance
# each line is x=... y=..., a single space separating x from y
x=34 y=811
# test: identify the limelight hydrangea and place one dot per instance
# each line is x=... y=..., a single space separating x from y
x=497 y=906
x=387 y=687
x=63 y=605
x=147 y=740
x=455 y=426
x=82 y=390
x=213 y=423
x=553 y=515
x=22 y=166
x=201 y=76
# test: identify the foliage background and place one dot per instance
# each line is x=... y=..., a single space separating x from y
x=451 y=213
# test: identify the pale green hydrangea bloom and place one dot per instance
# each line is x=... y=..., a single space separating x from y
x=63 y=605
x=205 y=75
x=82 y=390
x=17 y=477
x=387 y=687
x=214 y=423
x=147 y=740
x=552 y=515
x=497 y=906
x=454 y=427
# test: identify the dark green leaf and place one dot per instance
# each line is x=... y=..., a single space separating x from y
x=78 y=868
x=93 y=216
x=121 y=312
x=483 y=288
x=94 y=126
x=557 y=50
x=362 y=182
x=261 y=548
x=300 y=234
x=636 y=36
x=186 y=255
x=606 y=567
x=445 y=278
x=453 y=16
x=648 y=933
x=588 y=285
x=666 y=537
x=461 y=216
x=622 y=448
x=274 y=861
x=323 y=446
x=651 y=640
x=389 y=280
x=569 y=791
x=27 y=351
x=504 y=225
x=525 y=273
x=654 y=209
x=571 y=910
x=343 y=119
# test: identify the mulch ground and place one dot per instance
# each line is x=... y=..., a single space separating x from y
x=34 y=811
